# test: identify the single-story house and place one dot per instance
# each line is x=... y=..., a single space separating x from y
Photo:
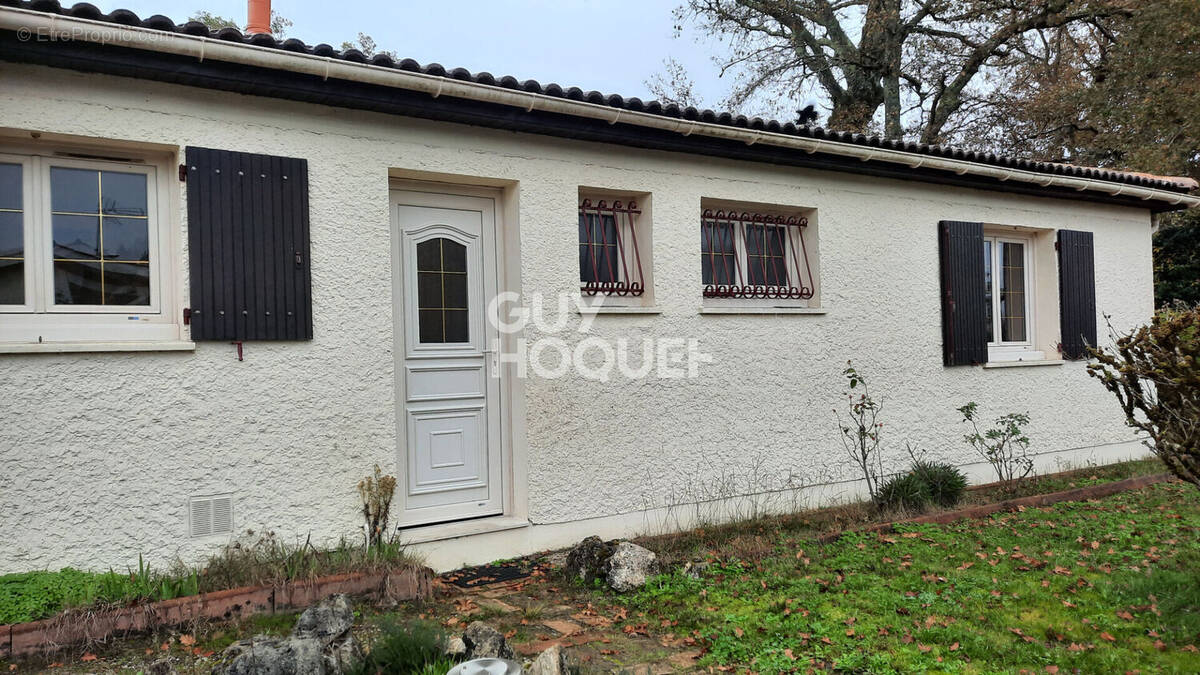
x=236 y=273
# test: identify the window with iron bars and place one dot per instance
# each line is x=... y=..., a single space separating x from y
x=610 y=261
x=754 y=255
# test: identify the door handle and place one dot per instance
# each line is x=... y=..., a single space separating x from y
x=493 y=360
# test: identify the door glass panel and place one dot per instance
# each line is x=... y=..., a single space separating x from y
x=442 y=292
x=12 y=236
x=100 y=216
x=987 y=290
x=1012 y=292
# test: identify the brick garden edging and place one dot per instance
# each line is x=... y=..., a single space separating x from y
x=1074 y=495
x=75 y=627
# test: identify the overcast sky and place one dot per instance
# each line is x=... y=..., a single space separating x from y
x=613 y=46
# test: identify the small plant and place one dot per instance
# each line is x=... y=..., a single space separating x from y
x=1005 y=446
x=861 y=429
x=416 y=647
x=376 y=493
x=944 y=482
x=907 y=492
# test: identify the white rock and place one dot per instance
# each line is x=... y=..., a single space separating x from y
x=630 y=566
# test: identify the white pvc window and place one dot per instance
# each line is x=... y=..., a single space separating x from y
x=83 y=247
x=1008 y=277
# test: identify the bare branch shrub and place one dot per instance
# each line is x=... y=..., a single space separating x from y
x=376 y=494
x=1154 y=372
x=861 y=429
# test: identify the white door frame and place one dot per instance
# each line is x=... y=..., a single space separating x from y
x=498 y=402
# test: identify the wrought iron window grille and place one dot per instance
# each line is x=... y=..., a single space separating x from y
x=610 y=262
x=754 y=255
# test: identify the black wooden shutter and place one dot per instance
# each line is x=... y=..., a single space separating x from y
x=1076 y=292
x=964 y=318
x=248 y=246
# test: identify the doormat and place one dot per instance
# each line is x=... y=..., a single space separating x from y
x=485 y=575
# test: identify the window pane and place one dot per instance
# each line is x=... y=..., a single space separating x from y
x=987 y=290
x=126 y=238
x=454 y=290
x=10 y=187
x=429 y=256
x=429 y=290
x=76 y=237
x=12 y=235
x=77 y=283
x=74 y=190
x=716 y=247
x=430 y=325
x=126 y=283
x=442 y=291
x=12 y=253
x=598 y=252
x=454 y=256
x=12 y=282
x=123 y=194
x=765 y=264
x=456 y=325
x=1012 y=292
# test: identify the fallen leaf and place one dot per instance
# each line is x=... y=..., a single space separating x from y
x=1052 y=669
x=1125 y=615
x=739 y=632
x=924 y=648
x=165 y=646
x=788 y=653
x=187 y=640
x=1106 y=636
x=88 y=657
x=954 y=647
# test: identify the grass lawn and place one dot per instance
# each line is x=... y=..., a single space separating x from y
x=1093 y=587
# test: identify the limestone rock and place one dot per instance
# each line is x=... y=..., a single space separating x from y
x=553 y=661
x=484 y=642
x=327 y=621
x=321 y=643
x=456 y=648
x=630 y=566
x=162 y=666
x=695 y=570
x=263 y=655
x=585 y=563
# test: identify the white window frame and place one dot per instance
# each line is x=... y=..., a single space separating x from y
x=1022 y=350
x=41 y=321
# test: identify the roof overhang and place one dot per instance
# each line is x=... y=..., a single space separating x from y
x=98 y=46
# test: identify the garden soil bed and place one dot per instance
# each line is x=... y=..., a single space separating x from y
x=98 y=625
x=1076 y=494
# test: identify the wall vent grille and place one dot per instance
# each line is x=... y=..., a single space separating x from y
x=210 y=515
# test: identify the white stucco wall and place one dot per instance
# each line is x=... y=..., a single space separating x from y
x=99 y=452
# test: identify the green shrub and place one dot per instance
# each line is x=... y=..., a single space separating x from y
x=413 y=647
x=906 y=491
x=945 y=482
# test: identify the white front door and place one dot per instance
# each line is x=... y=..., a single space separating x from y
x=448 y=412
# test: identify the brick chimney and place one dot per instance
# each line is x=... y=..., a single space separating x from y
x=259 y=19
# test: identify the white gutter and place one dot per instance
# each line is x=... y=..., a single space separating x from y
x=37 y=24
